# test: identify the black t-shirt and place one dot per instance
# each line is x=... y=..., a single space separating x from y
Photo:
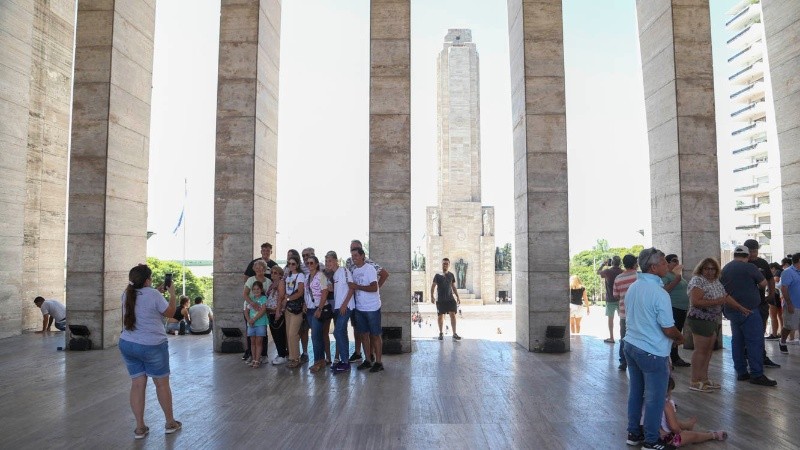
x=251 y=273
x=741 y=282
x=610 y=275
x=763 y=267
x=444 y=286
x=576 y=296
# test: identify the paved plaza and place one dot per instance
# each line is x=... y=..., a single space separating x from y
x=476 y=393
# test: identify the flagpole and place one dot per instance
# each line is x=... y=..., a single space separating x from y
x=183 y=268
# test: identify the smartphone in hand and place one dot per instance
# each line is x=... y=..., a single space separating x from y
x=167 y=280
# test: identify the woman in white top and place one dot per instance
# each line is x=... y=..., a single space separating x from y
x=294 y=307
x=342 y=308
x=316 y=297
x=144 y=347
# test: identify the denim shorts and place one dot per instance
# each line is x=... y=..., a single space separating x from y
x=149 y=360
x=257 y=330
x=368 y=322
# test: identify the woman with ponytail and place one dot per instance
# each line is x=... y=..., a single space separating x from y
x=144 y=347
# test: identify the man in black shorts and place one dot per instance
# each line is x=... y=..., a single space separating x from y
x=445 y=283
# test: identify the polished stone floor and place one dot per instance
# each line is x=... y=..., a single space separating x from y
x=446 y=394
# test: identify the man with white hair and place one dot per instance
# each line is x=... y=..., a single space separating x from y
x=648 y=339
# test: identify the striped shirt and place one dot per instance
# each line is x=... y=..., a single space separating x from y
x=621 y=285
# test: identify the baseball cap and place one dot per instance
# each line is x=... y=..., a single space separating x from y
x=751 y=244
x=741 y=250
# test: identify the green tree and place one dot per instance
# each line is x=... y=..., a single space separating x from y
x=195 y=286
x=585 y=264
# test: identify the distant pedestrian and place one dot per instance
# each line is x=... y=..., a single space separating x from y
x=53 y=313
x=447 y=299
x=621 y=285
x=679 y=296
x=578 y=304
x=612 y=303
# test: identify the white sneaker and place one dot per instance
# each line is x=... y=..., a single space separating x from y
x=278 y=361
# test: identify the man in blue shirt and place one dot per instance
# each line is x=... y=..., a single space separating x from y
x=650 y=333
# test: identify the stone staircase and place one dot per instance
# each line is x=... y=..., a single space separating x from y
x=468 y=298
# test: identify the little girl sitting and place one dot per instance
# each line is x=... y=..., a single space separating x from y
x=680 y=432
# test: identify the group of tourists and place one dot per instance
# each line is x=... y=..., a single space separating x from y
x=655 y=303
x=309 y=295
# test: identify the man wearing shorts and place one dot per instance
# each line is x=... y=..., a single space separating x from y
x=445 y=285
x=368 y=309
x=612 y=303
x=382 y=276
x=790 y=288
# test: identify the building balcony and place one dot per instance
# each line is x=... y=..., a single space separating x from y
x=751 y=131
x=747 y=36
x=753 y=209
x=751 y=112
x=744 y=17
x=749 y=74
x=748 y=55
x=754 y=169
x=750 y=93
x=750 y=227
x=752 y=150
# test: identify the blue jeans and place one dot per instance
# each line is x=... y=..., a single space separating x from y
x=747 y=332
x=317 y=339
x=649 y=376
x=340 y=333
x=622 y=330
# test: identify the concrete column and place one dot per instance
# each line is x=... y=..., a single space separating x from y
x=782 y=29
x=390 y=157
x=675 y=43
x=246 y=148
x=16 y=25
x=48 y=144
x=109 y=160
x=541 y=256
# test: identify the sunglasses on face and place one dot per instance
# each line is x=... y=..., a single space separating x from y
x=310 y=263
x=293 y=264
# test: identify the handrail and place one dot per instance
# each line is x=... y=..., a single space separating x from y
x=750 y=106
x=730 y=78
x=745 y=188
x=742 y=169
x=739 y=34
x=749 y=86
x=737 y=15
x=742 y=130
x=746 y=207
x=740 y=53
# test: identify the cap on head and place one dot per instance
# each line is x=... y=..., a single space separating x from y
x=751 y=244
x=629 y=261
x=741 y=250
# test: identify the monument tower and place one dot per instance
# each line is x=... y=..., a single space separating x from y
x=460 y=227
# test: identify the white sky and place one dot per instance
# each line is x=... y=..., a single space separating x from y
x=323 y=120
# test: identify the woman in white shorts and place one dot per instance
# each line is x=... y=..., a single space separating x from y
x=578 y=300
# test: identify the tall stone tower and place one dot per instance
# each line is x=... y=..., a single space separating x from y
x=459 y=227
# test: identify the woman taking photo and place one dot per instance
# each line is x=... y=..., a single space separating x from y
x=144 y=347
x=260 y=268
x=316 y=298
x=294 y=305
x=277 y=322
x=706 y=297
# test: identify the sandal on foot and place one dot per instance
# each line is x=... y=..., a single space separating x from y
x=169 y=429
x=700 y=386
x=712 y=384
x=608 y=341
x=256 y=364
x=140 y=433
x=720 y=435
x=293 y=363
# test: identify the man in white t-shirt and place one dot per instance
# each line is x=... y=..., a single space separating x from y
x=200 y=317
x=52 y=312
x=382 y=276
x=368 y=308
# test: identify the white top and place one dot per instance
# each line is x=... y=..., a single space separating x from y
x=366 y=301
x=340 y=287
x=198 y=314
x=55 y=309
x=293 y=283
x=314 y=288
x=149 y=326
